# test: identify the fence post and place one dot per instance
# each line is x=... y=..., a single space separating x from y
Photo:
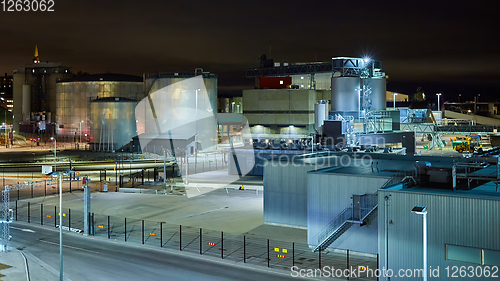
x=45 y=194
x=69 y=219
x=125 y=230
x=348 y=262
x=180 y=237
x=29 y=211
x=31 y=190
x=201 y=247
x=55 y=216
x=16 y=207
x=244 y=249
x=222 y=244
x=142 y=231
x=268 y=253
x=161 y=234
x=18 y=193
x=319 y=257
x=109 y=233
x=93 y=225
x=41 y=214
x=377 y=264
x=293 y=254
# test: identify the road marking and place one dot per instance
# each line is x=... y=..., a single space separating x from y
x=70 y=247
x=23 y=229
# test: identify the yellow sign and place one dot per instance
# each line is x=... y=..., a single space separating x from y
x=60 y=214
x=284 y=251
x=100 y=226
x=276 y=249
x=152 y=234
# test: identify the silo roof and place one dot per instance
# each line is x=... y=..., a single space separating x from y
x=108 y=77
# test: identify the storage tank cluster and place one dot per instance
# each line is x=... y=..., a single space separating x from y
x=347 y=90
x=74 y=106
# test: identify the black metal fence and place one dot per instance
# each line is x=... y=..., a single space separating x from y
x=250 y=249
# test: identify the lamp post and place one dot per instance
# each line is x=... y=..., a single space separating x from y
x=420 y=210
x=439 y=103
x=81 y=131
x=55 y=152
x=394 y=100
x=359 y=102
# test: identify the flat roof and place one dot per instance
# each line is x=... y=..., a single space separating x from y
x=485 y=191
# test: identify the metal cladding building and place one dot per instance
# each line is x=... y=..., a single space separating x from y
x=463 y=230
x=73 y=98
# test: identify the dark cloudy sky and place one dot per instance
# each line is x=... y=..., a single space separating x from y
x=448 y=46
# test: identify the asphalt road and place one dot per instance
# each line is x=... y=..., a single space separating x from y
x=91 y=258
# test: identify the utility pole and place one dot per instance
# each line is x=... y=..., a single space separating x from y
x=165 y=167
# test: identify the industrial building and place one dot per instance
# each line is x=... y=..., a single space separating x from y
x=74 y=96
x=460 y=224
x=285 y=94
x=34 y=95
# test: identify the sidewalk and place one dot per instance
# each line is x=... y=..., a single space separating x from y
x=12 y=266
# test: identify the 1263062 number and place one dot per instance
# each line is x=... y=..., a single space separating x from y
x=28 y=5
x=471 y=271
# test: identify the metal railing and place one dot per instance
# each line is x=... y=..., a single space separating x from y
x=333 y=226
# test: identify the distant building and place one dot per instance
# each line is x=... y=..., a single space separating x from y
x=34 y=95
x=6 y=100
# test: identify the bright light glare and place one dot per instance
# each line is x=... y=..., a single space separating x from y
x=366 y=59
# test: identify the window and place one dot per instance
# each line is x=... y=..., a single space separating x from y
x=463 y=254
x=472 y=255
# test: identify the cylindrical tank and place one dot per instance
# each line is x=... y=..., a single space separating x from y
x=26 y=104
x=113 y=123
x=163 y=80
x=378 y=94
x=187 y=104
x=345 y=93
x=320 y=115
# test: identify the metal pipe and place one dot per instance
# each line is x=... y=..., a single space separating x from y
x=60 y=230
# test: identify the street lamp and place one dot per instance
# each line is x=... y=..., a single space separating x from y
x=394 y=100
x=420 y=210
x=439 y=104
x=81 y=131
x=55 y=152
x=60 y=175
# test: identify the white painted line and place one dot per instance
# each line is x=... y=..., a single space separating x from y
x=70 y=247
x=23 y=229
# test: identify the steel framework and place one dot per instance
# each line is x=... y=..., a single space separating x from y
x=6 y=211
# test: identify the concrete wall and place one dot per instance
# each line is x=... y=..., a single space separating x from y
x=328 y=194
x=281 y=107
x=452 y=219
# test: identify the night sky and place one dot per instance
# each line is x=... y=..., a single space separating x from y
x=440 y=45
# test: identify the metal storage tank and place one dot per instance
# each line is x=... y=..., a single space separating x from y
x=320 y=115
x=113 y=123
x=74 y=95
x=378 y=93
x=161 y=80
x=345 y=93
x=188 y=108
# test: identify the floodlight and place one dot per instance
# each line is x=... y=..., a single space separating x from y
x=419 y=210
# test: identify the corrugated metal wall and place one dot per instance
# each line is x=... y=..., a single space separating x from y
x=452 y=219
x=285 y=190
x=328 y=194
